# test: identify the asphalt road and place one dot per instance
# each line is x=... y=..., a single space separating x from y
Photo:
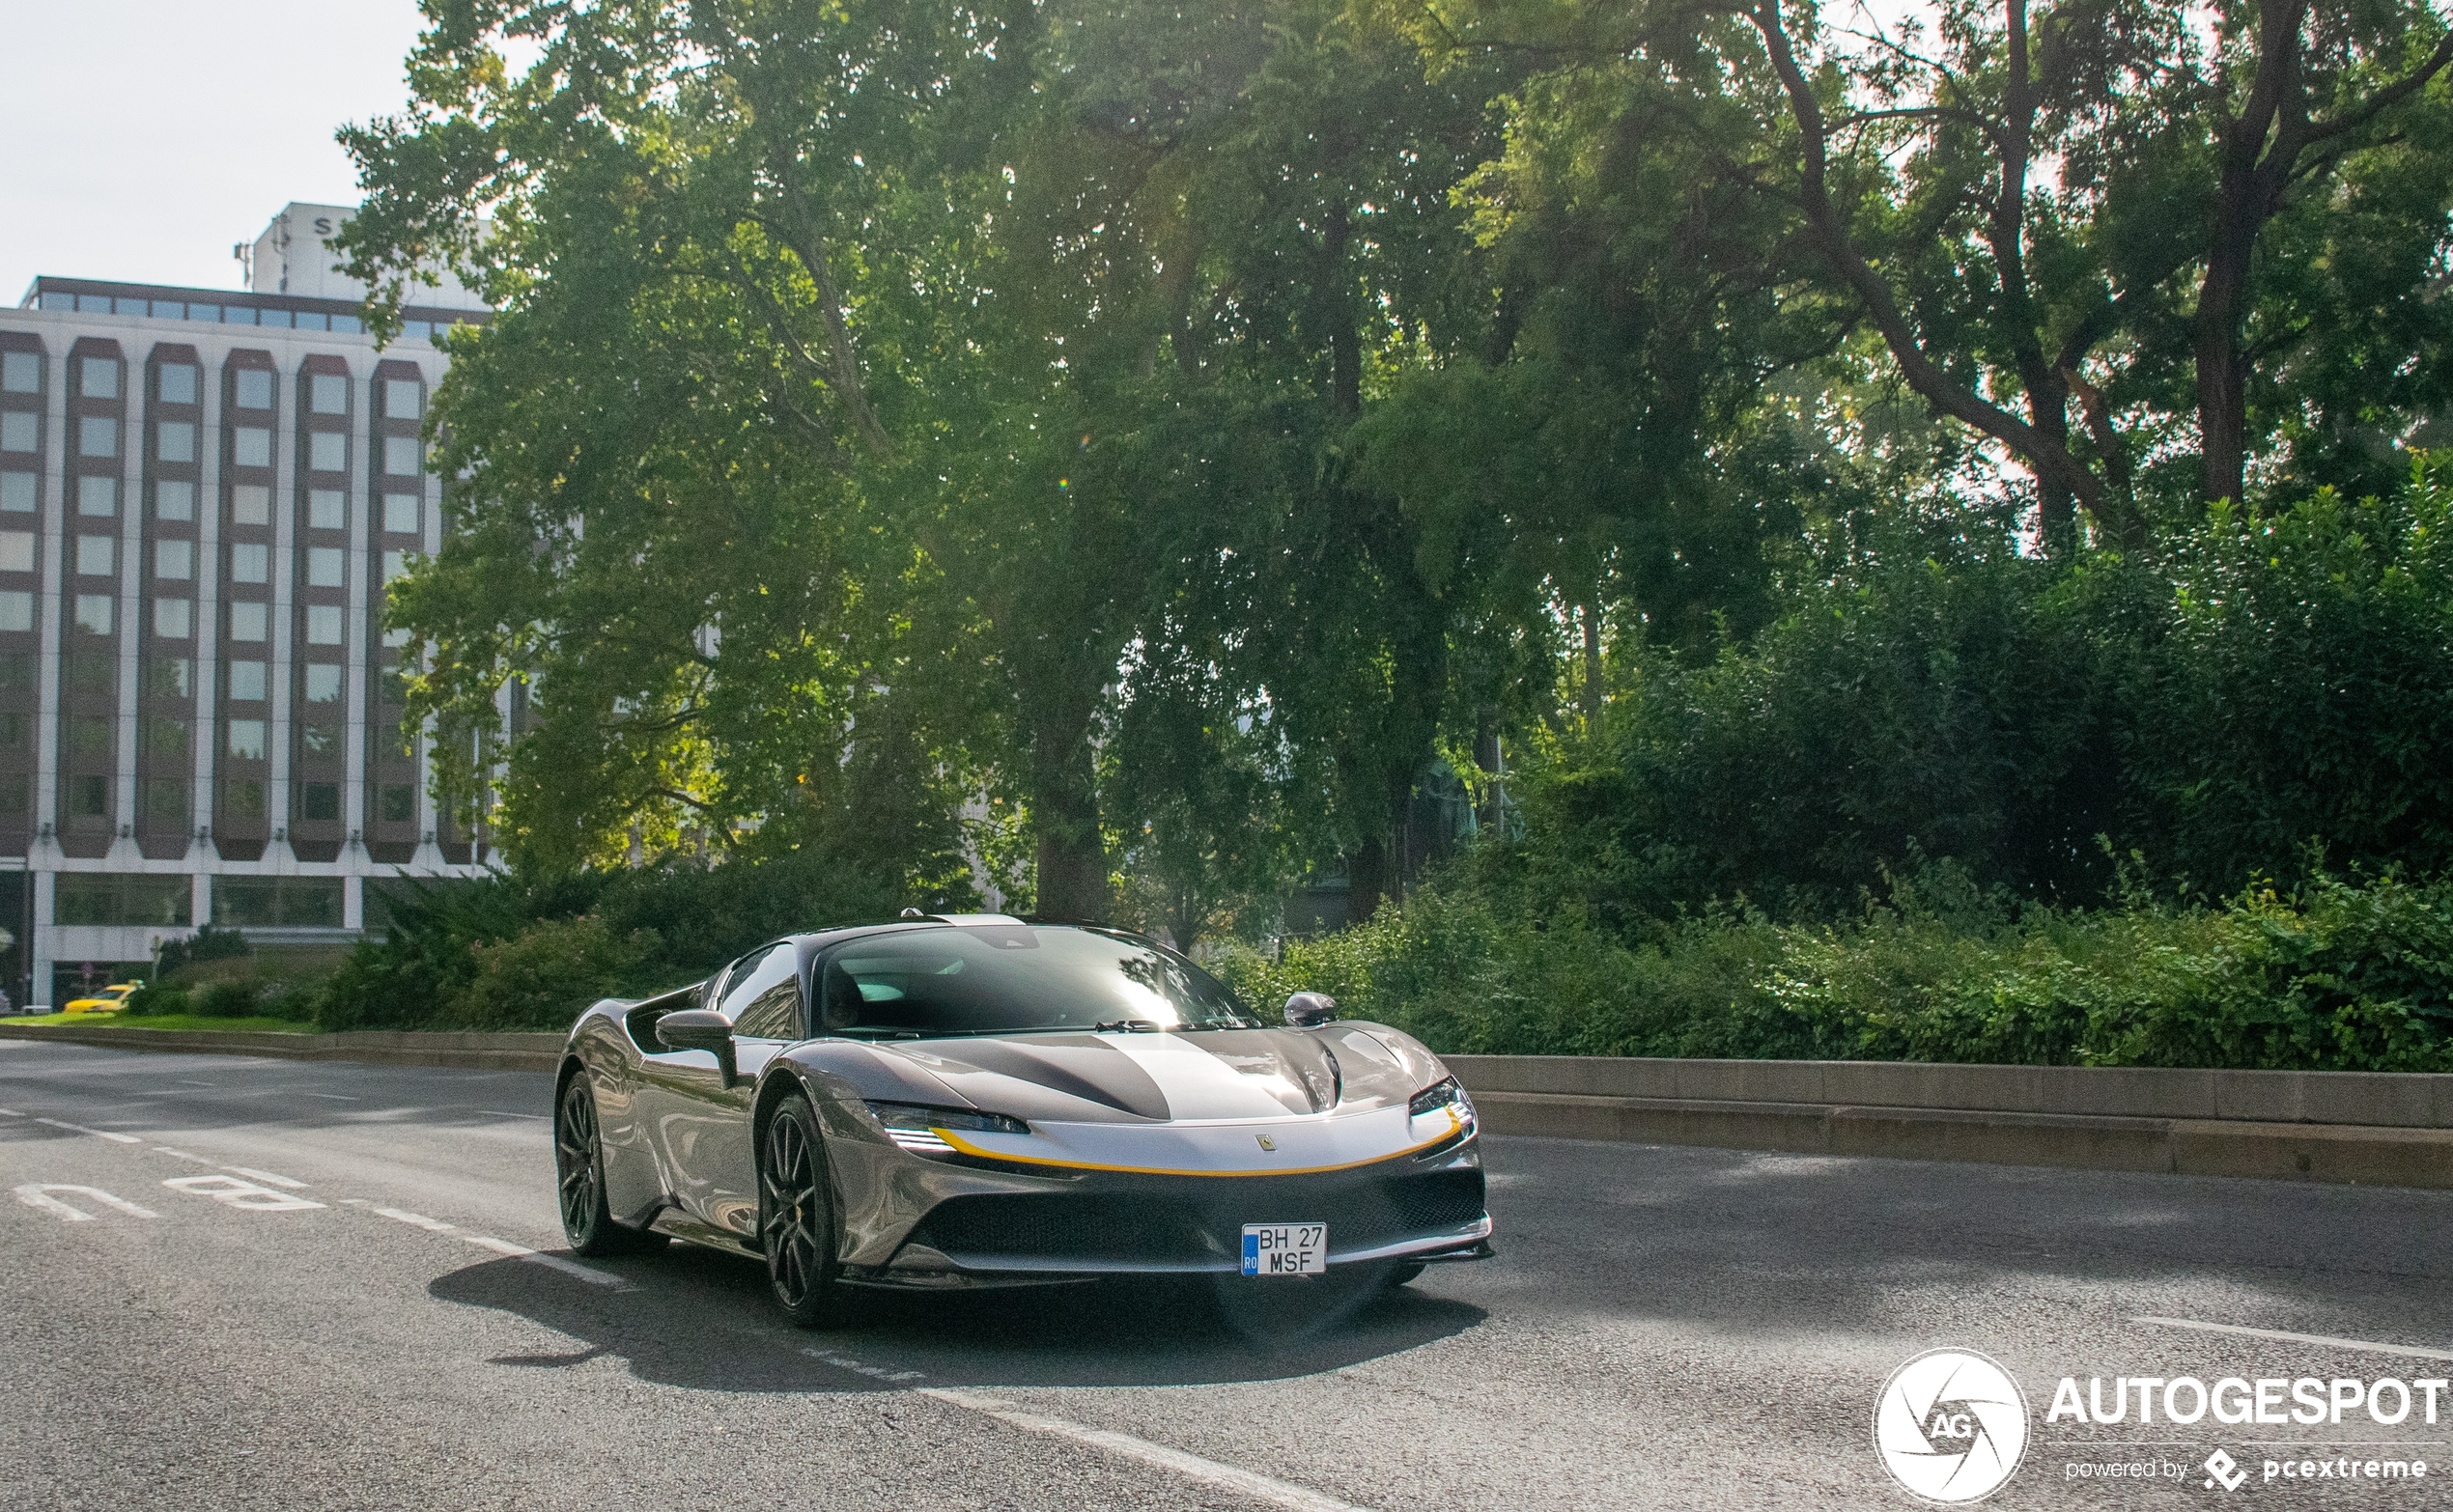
x=329 y=1286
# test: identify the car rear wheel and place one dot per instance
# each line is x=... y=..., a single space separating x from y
x=579 y=1169
x=796 y=1217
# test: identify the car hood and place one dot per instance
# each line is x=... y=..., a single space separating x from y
x=1136 y=1078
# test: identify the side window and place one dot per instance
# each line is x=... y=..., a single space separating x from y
x=749 y=989
x=774 y=1014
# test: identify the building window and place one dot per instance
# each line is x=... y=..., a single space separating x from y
x=13 y=795
x=12 y=727
x=169 y=677
x=327 y=450
x=323 y=625
x=399 y=804
x=319 y=737
x=166 y=803
x=251 y=504
x=100 y=898
x=254 y=389
x=320 y=801
x=17 y=609
x=173 y=619
x=175 y=560
x=289 y=901
x=97 y=498
x=88 y=798
x=99 y=378
x=325 y=567
x=96 y=435
x=241 y=797
x=251 y=446
x=246 y=679
x=327 y=509
x=246 y=739
x=177 y=383
x=96 y=555
x=17 y=492
x=328 y=394
x=403 y=457
x=402 y=399
x=175 y=501
x=210 y=314
x=16 y=551
x=20 y=372
x=401 y=512
x=248 y=621
x=395 y=565
x=89 y=671
x=323 y=682
x=273 y=318
x=19 y=429
x=94 y=612
x=175 y=442
x=165 y=737
x=89 y=735
x=250 y=562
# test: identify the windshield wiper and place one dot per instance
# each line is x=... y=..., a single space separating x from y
x=1127 y=1026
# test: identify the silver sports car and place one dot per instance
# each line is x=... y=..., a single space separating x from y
x=977 y=1099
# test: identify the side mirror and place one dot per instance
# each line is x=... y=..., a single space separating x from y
x=1309 y=1010
x=699 y=1028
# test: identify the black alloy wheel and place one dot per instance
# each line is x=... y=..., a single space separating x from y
x=579 y=1169
x=796 y=1217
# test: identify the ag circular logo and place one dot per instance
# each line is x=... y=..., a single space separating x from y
x=1950 y=1426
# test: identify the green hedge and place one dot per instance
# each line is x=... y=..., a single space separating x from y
x=2338 y=976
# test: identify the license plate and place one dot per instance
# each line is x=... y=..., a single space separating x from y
x=1286 y=1248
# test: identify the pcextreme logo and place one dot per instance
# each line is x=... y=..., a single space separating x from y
x=1950 y=1426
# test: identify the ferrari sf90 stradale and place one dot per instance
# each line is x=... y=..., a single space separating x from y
x=974 y=1100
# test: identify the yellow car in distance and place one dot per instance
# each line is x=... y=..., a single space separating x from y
x=110 y=999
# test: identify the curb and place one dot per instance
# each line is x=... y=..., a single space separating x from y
x=469 y=1051
x=2347 y=1154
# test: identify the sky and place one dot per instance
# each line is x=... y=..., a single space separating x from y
x=140 y=138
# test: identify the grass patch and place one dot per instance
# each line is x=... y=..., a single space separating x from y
x=173 y=1020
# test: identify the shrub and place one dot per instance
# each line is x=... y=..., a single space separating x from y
x=542 y=977
x=155 y=1000
x=230 y=999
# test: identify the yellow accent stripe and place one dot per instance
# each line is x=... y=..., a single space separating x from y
x=966 y=1147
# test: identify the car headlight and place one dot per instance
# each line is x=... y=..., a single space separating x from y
x=1448 y=1094
x=913 y=1126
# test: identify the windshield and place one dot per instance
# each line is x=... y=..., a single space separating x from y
x=970 y=979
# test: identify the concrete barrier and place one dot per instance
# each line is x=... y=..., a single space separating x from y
x=474 y=1052
x=2369 y=1129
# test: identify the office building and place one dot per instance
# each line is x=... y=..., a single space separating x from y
x=202 y=495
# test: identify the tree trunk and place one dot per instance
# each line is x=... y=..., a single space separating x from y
x=1345 y=343
x=1065 y=809
x=1487 y=756
x=1367 y=870
x=1593 y=669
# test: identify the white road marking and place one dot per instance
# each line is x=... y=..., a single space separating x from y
x=585 y=1273
x=182 y=1155
x=38 y=1195
x=279 y=1181
x=416 y=1220
x=1192 y=1467
x=11 y=1111
x=879 y=1372
x=237 y=1194
x=495 y=1113
x=2300 y=1339
x=335 y=1096
x=99 y=1134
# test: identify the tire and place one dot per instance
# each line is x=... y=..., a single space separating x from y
x=796 y=1218
x=578 y=1171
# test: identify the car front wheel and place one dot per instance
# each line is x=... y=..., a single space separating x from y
x=796 y=1217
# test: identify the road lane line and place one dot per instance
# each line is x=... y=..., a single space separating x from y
x=182 y=1155
x=335 y=1096
x=495 y=1113
x=11 y=1113
x=876 y=1372
x=1192 y=1467
x=99 y=1134
x=38 y=1195
x=2298 y=1338
x=416 y=1220
x=587 y=1273
x=292 y=1183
